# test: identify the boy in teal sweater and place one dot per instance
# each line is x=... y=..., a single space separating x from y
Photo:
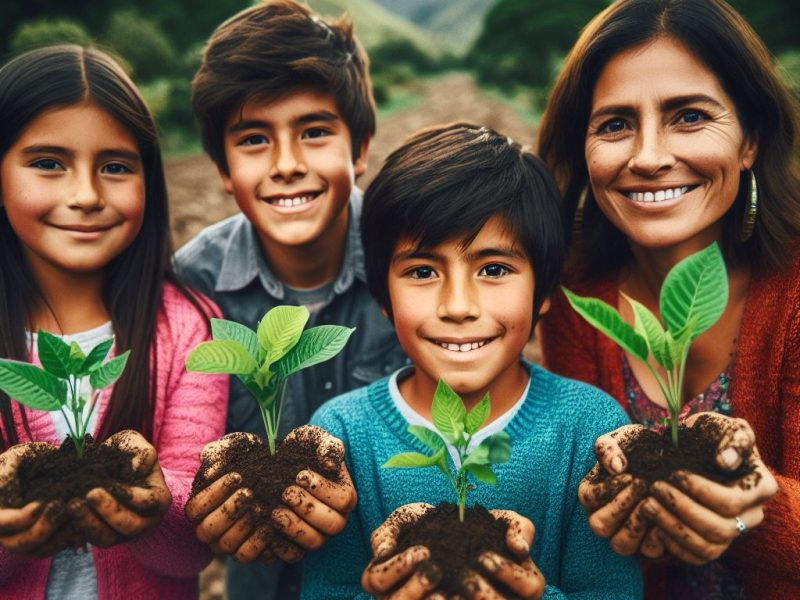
x=463 y=236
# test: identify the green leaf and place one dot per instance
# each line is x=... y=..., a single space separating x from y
x=604 y=318
x=231 y=330
x=695 y=291
x=221 y=356
x=648 y=326
x=482 y=473
x=316 y=345
x=76 y=357
x=413 y=459
x=95 y=357
x=448 y=413
x=104 y=376
x=493 y=450
x=280 y=330
x=478 y=415
x=31 y=386
x=53 y=354
x=430 y=438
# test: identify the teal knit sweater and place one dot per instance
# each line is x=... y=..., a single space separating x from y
x=553 y=434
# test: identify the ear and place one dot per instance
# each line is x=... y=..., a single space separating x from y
x=360 y=164
x=227 y=184
x=749 y=151
x=545 y=306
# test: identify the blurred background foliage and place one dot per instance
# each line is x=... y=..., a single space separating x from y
x=513 y=47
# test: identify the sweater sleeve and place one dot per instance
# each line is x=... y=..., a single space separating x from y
x=192 y=414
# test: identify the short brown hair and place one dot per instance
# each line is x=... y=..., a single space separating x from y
x=766 y=108
x=272 y=49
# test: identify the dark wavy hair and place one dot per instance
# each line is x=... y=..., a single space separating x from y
x=765 y=105
x=270 y=50
x=445 y=183
x=61 y=76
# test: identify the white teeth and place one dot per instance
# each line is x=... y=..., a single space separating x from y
x=296 y=201
x=465 y=347
x=658 y=196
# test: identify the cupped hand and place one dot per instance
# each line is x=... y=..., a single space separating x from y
x=107 y=518
x=316 y=508
x=34 y=529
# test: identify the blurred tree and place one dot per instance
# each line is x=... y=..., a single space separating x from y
x=44 y=32
x=776 y=21
x=142 y=44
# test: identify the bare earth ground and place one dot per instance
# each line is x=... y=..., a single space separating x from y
x=197 y=198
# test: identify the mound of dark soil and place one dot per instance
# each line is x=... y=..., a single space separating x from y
x=455 y=546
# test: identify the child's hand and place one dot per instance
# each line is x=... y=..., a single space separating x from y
x=104 y=519
x=33 y=529
x=317 y=507
x=697 y=519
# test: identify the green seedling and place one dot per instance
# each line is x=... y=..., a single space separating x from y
x=57 y=385
x=692 y=298
x=455 y=425
x=264 y=359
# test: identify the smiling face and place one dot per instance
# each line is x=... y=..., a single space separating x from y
x=463 y=314
x=291 y=168
x=664 y=147
x=73 y=188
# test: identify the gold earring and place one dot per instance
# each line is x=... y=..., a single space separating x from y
x=749 y=220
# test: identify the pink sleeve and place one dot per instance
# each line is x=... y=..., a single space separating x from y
x=190 y=412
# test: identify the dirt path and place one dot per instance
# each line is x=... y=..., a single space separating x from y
x=197 y=198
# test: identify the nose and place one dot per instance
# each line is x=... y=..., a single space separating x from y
x=458 y=299
x=651 y=153
x=287 y=160
x=86 y=194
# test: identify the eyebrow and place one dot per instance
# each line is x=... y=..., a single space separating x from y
x=483 y=253
x=315 y=117
x=666 y=105
x=110 y=153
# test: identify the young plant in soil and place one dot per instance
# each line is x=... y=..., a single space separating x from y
x=263 y=360
x=692 y=299
x=456 y=544
x=79 y=465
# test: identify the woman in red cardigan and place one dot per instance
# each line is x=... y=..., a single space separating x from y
x=669 y=129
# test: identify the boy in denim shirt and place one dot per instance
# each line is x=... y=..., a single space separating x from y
x=285 y=106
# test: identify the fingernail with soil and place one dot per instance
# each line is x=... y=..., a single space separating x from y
x=729 y=458
x=488 y=563
x=280 y=519
x=291 y=497
x=649 y=509
x=233 y=480
x=617 y=465
x=383 y=549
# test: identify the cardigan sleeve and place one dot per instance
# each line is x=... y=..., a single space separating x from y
x=191 y=411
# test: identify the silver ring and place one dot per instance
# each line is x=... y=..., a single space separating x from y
x=740 y=526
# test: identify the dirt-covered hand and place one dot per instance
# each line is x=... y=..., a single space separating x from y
x=224 y=512
x=403 y=573
x=316 y=507
x=107 y=518
x=614 y=504
x=32 y=530
x=697 y=517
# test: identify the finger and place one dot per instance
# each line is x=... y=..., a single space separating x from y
x=14 y=520
x=221 y=519
x=313 y=511
x=255 y=546
x=729 y=500
x=525 y=580
x=607 y=519
x=520 y=532
x=94 y=529
x=121 y=519
x=339 y=495
x=651 y=546
x=384 y=539
x=628 y=538
x=679 y=551
x=736 y=437
x=296 y=529
x=213 y=453
x=38 y=533
x=436 y=596
x=608 y=448
x=145 y=501
x=478 y=588
x=422 y=581
x=593 y=493
x=285 y=550
x=380 y=577
x=211 y=497
x=237 y=534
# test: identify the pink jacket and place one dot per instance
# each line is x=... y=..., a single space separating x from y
x=190 y=411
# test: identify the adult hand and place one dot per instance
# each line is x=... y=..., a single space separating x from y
x=32 y=530
x=107 y=518
x=698 y=518
x=316 y=507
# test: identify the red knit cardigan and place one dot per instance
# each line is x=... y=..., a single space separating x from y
x=765 y=391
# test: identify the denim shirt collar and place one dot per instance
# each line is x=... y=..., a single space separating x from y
x=243 y=260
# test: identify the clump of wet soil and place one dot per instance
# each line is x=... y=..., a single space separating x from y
x=455 y=546
x=265 y=474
